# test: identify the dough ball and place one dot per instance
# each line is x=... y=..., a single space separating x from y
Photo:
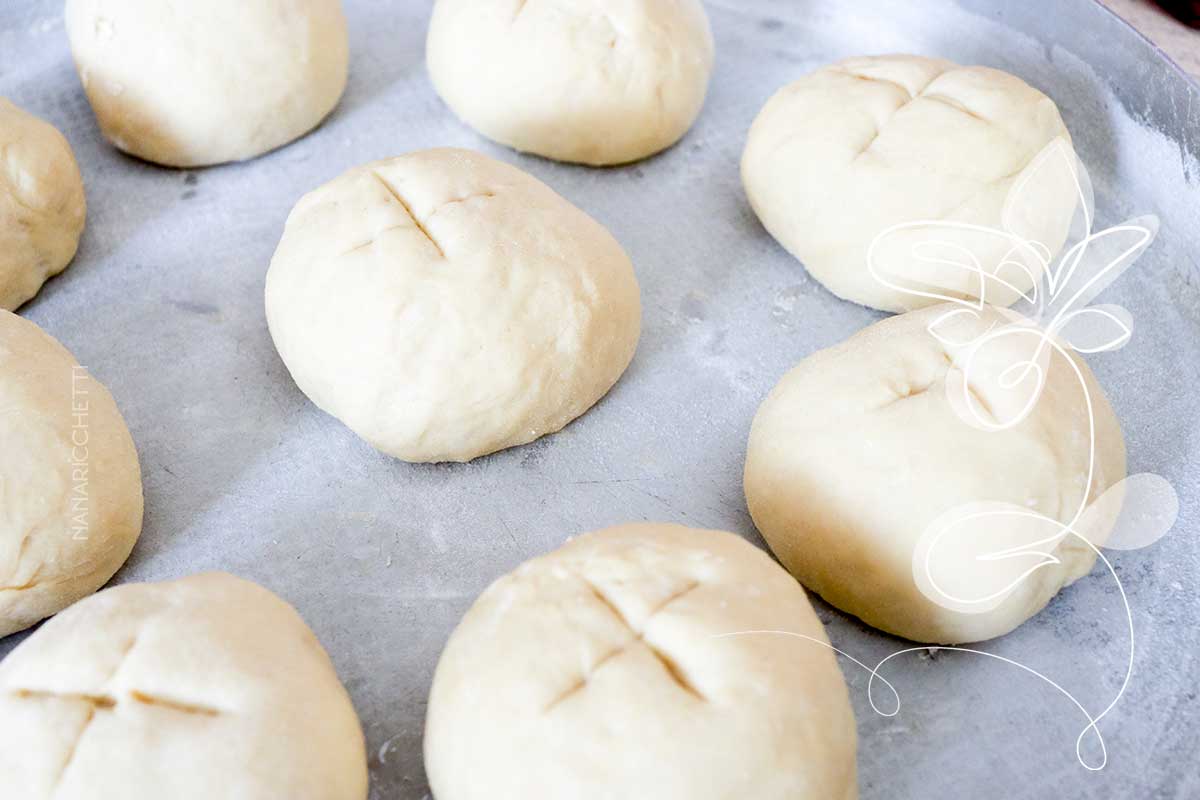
x=199 y=688
x=603 y=670
x=845 y=153
x=42 y=206
x=70 y=484
x=187 y=83
x=590 y=81
x=445 y=305
x=862 y=447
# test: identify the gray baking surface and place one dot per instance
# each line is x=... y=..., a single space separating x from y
x=242 y=473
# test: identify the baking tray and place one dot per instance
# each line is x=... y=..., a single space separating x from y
x=242 y=473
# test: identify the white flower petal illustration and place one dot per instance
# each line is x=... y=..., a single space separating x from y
x=956 y=262
x=1035 y=211
x=1132 y=514
x=973 y=557
x=1093 y=263
x=1096 y=329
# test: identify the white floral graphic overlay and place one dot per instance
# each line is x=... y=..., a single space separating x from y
x=1135 y=512
x=1053 y=318
x=1057 y=318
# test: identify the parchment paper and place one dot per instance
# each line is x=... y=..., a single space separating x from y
x=242 y=473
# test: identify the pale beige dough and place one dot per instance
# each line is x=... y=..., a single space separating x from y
x=603 y=670
x=70 y=484
x=186 y=83
x=841 y=155
x=445 y=305
x=858 y=450
x=193 y=689
x=590 y=81
x=42 y=205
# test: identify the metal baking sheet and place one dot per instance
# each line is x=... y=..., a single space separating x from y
x=242 y=473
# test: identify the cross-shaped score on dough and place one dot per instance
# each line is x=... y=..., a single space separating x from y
x=669 y=664
x=107 y=704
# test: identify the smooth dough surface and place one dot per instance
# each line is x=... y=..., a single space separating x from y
x=589 y=81
x=445 y=305
x=193 y=689
x=602 y=670
x=842 y=154
x=70 y=484
x=858 y=450
x=186 y=83
x=42 y=205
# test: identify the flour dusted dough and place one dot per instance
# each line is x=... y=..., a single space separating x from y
x=445 y=305
x=858 y=450
x=70 y=485
x=42 y=207
x=844 y=153
x=590 y=81
x=187 y=83
x=601 y=671
x=193 y=689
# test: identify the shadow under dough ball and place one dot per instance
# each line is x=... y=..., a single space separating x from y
x=592 y=82
x=862 y=447
x=70 y=484
x=189 y=84
x=445 y=305
x=42 y=205
x=204 y=687
x=856 y=148
x=641 y=661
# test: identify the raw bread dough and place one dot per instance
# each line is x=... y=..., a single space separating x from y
x=42 y=206
x=858 y=451
x=187 y=83
x=590 y=81
x=445 y=305
x=602 y=670
x=193 y=689
x=70 y=485
x=839 y=156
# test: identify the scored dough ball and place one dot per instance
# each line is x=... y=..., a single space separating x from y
x=445 y=305
x=593 y=81
x=187 y=83
x=70 y=484
x=845 y=153
x=192 y=689
x=42 y=206
x=862 y=447
x=606 y=669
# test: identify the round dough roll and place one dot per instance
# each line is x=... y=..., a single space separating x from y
x=622 y=665
x=70 y=484
x=862 y=447
x=209 y=686
x=843 y=154
x=445 y=305
x=592 y=81
x=42 y=205
x=189 y=84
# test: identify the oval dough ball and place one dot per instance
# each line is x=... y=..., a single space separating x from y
x=594 y=81
x=193 y=689
x=70 y=484
x=445 y=305
x=604 y=670
x=859 y=450
x=841 y=155
x=42 y=206
x=189 y=84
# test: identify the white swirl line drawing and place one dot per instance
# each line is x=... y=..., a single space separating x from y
x=875 y=676
x=1061 y=321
